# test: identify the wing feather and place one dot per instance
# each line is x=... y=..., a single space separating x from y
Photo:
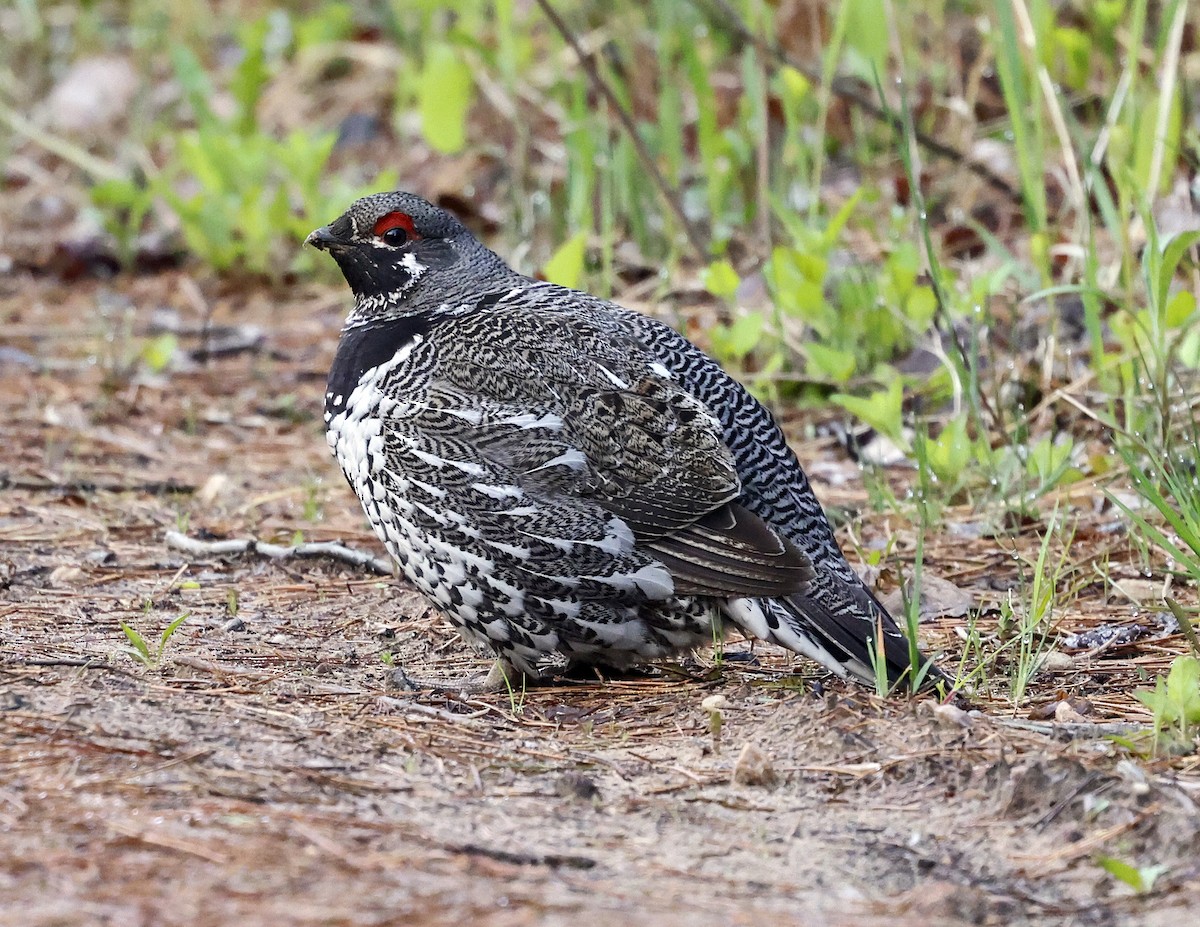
x=587 y=429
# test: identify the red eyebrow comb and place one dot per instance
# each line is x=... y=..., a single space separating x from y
x=396 y=220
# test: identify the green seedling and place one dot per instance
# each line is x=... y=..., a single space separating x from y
x=141 y=651
x=1175 y=702
x=1140 y=878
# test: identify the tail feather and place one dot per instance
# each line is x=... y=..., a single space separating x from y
x=851 y=624
x=839 y=624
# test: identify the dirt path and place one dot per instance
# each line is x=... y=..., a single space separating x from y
x=268 y=770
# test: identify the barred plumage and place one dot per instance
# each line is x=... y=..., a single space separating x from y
x=567 y=480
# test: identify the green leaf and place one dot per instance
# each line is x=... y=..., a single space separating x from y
x=921 y=306
x=122 y=193
x=1140 y=879
x=1183 y=690
x=882 y=410
x=866 y=33
x=1048 y=460
x=1146 y=140
x=1180 y=308
x=782 y=272
x=1121 y=870
x=1175 y=701
x=170 y=630
x=838 y=223
x=192 y=77
x=1173 y=251
x=795 y=84
x=734 y=341
x=158 y=352
x=795 y=280
x=251 y=74
x=1074 y=49
x=136 y=640
x=445 y=94
x=835 y=364
x=566 y=267
x=1156 y=700
x=720 y=279
x=951 y=452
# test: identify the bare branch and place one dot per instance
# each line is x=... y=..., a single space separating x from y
x=331 y=549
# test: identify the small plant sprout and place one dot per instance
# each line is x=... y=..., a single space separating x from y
x=516 y=697
x=878 y=663
x=141 y=651
x=1140 y=878
x=157 y=353
x=1175 y=702
x=1035 y=617
x=1012 y=657
x=313 y=499
x=718 y=640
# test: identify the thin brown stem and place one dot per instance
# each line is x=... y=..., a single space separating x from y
x=695 y=237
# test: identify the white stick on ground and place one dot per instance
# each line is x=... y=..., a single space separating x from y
x=331 y=549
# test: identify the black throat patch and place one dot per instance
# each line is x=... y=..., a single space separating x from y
x=375 y=272
x=367 y=346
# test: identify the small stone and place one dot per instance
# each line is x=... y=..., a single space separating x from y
x=1057 y=662
x=753 y=767
x=65 y=576
x=576 y=785
x=951 y=716
x=216 y=485
x=1064 y=713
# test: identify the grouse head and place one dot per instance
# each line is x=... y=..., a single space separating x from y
x=387 y=244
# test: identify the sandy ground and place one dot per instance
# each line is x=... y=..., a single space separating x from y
x=266 y=768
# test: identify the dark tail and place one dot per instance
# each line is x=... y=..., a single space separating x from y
x=845 y=625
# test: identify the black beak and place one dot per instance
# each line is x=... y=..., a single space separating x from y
x=324 y=239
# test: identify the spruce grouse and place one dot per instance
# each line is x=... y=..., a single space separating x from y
x=569 y=481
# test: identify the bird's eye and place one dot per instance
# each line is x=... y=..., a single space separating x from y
x=395 y=229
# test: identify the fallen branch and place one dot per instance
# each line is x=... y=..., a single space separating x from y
x=549 y=860
x=1073 y=730
x=331 y=549
x=84 y=487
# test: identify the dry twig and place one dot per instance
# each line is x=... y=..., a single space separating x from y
x=331 y=549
